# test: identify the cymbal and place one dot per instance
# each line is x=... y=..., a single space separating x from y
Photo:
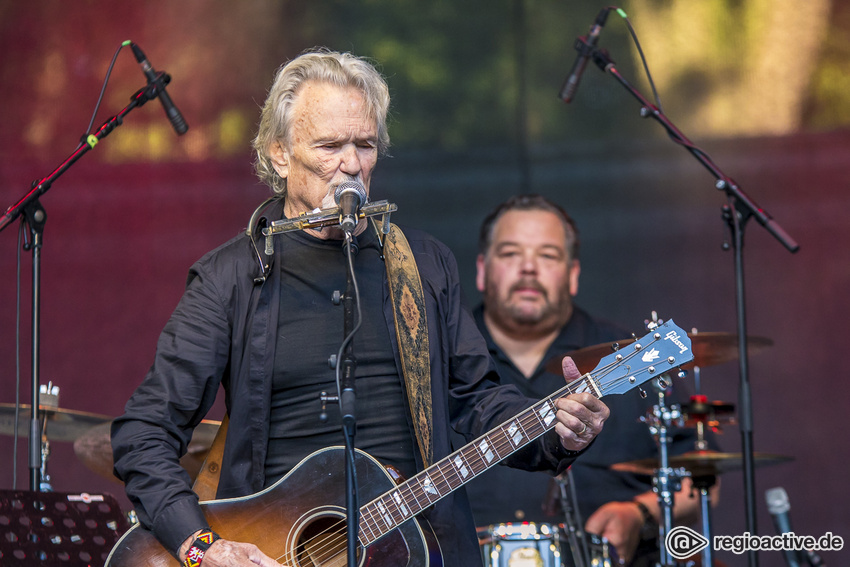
x=701 y=463
x=94 y=448
x=709 y=349
x=62 y=424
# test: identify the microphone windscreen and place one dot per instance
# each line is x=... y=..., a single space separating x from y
x=347 y=186
x=777 y=500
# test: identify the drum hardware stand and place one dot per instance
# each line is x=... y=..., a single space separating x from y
x=666 y=481
x=703 y=484
x=48 y=398
x=572 y=519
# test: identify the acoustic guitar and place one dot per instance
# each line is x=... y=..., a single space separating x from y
x=300 y=520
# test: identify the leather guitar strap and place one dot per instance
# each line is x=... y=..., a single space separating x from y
x=411 y=329
x=412 y=333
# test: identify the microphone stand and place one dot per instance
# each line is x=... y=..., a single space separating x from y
x=347 y=362
x=736 y=213
x=347 y=403
x=35 y=217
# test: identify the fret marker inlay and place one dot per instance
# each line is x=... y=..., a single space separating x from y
x=385 y=515
x=428 y=486
x=484 y=447
x=464 y=472
x=400 y=503
x=514 y=433
x=546 y=414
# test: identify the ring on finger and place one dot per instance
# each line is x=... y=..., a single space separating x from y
x=583 y=430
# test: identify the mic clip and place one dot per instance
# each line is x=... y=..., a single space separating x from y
x=153 y=89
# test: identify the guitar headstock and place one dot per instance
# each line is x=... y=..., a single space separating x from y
x=661 y=350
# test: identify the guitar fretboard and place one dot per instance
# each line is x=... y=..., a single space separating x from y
x=395 y=507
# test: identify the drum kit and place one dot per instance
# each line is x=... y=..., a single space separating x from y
x=542 y=545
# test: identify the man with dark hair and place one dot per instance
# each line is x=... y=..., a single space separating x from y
x=528 y=273
x=261 y=324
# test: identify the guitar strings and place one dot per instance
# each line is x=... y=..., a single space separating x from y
x=335 y=541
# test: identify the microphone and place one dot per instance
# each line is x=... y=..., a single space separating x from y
x=349 y=197
x=779 y=506
x=171 y=111
x=584 y=45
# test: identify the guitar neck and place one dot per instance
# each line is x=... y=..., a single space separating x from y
x=663 y=349
x=395 y=507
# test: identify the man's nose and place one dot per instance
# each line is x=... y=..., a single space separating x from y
x=529 y=264
x=350 y=160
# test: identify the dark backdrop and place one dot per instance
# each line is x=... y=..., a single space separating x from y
x=475 y=120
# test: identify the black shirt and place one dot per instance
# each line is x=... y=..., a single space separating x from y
x=310 y=329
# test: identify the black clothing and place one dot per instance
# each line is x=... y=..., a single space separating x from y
x=223 y=333
x=309 y=331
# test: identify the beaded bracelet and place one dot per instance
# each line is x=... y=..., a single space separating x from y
x=199 y=548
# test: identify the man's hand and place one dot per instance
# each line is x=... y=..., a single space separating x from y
x=620 y=523
x=225 y=553
x=580 y=416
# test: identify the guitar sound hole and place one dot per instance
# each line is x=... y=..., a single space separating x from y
x=322 y=543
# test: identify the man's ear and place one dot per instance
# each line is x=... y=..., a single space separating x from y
x=575 y=271
x=480 y=268
x=280 y=159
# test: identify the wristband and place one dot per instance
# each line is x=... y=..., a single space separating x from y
x=644 y=511
x=199 y=548
x=649 y=529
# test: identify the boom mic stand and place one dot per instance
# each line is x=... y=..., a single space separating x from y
x=736 y=213
x=35 y=217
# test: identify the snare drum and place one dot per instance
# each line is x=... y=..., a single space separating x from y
x=521 y=545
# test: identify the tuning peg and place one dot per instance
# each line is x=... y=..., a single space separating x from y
x=682 y=373
x=642 y=393
x=615 y=346
x=662 y=383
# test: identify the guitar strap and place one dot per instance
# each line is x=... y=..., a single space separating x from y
x=411 y=328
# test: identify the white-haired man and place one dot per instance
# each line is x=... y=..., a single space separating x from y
x=263 y=327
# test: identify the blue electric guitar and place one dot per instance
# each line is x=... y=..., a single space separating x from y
x=300 y=520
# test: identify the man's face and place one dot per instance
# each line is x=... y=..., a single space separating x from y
x=527 y=277
x=332 y=139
